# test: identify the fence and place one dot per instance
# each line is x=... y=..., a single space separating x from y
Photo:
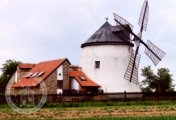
x=54 y=98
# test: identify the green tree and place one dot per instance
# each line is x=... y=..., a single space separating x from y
x=8 y=69
x=160 y=82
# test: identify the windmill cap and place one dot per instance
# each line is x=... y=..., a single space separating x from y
x=109 y=35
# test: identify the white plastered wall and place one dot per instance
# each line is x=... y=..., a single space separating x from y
x=114 y=60
x=60 y=73
x=74 y=84
x=60 y=77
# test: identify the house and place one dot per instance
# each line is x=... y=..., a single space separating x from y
x=58 y=75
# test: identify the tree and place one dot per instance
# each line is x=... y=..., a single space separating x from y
x=8 y=69
x=160 y=82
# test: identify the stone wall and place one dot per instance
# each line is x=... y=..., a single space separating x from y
x=66 y=81
x=51 y=83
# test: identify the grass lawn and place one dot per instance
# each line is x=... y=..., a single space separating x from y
x=146 y=110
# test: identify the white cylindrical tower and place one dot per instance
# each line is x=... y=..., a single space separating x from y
x=105 y=57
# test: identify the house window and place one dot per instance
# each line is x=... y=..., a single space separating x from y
x=60 y=84
x=82 y=78
x=97 y=64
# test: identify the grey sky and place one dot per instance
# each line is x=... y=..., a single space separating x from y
x=38 y=30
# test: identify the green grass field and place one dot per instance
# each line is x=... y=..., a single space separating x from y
x=138 y=110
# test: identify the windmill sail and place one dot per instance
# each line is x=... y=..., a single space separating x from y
x=131 y=73
x=121 y=21
x=160 y=54
x=153 y=52
x=143 y=19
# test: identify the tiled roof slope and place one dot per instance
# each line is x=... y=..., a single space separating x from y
x=78 y=74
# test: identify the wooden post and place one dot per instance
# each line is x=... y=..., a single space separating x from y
x=125 y=95
x=60 y=97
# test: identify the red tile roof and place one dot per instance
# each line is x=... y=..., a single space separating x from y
x=47 y=67
x=78 y=74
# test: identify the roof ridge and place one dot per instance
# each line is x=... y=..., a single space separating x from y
x=27 y=63
x=62 y=59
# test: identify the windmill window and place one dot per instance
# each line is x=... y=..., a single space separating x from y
x=59 y=74
x=97 y=64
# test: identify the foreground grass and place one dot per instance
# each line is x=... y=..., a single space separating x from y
x=103 y=104
x=134 y=110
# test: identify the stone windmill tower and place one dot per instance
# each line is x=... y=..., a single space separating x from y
x=105 y=58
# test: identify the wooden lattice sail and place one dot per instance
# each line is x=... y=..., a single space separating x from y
x=152 y=51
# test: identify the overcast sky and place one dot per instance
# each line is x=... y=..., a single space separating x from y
x=38 y=30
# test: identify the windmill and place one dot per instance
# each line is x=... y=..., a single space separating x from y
x=152 y=51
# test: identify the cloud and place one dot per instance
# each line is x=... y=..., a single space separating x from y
x=37 y=30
